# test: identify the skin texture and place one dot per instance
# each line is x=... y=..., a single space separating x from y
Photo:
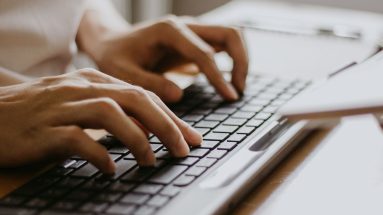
x=137 y=54
x=46 y=117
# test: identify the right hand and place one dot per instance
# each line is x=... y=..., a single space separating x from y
x=44 y=119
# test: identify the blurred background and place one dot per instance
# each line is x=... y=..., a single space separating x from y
x=138 y=10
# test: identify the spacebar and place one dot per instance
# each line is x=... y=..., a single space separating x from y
x=167 y=174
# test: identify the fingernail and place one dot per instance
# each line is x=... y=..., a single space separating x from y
x=195 y=136
x=111 y=167
x=149 y=159
x=182 y=148
x=172 y=93
x=232 y=92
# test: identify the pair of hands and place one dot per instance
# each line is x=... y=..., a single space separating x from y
x=45 y=118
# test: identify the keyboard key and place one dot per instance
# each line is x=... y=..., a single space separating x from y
x=218 y=154
x=108 y=197
x=123 y=166
x=37 y=203
x=170 y=191
x=148 y=188
x=245 y=130
x=193 y=117
x=254 y=123
x=184 y=180
x=234 y=121
x=86 y=171
x=77 y=164
x=120 y=187
x=202 y=131
x=259 y=102
x=158 y=201
x=135 y=198
x=59 y=171
x=79 y=195
x=188 y=161
x=115 y=156
x=206 y=162
x=4 y=210
x=243 y=115
x=155 y=139
x=202 y=111
x=236 y=137
x=118 y=149
x=167 y=174
x=121 y=209
x=65 y=205
x=155 y=147
x=144 y=210
x=94 y=207
x=206 y=124
x=227 y=145
x=252 y=108
x=163 y=154
x=226 y=110
x=138 y=174
x=225 y=129
x=70 y=182
x=32 y=188
x=216 y=117
x=215 y=136
x=209 y=144
x=198 y=152
x=262 y=116
x=53 y=193
x=12 y=200
x=195 y=171
x=270 y=109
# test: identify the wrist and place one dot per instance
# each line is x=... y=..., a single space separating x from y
x=94 y=32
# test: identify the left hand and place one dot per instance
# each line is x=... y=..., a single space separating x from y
x=136 y=56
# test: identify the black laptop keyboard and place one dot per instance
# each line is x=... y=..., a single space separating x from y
x=75 y=186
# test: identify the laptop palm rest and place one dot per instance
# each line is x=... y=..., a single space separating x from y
x=232 y=168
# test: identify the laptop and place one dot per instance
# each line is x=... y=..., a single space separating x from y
x=243 y=142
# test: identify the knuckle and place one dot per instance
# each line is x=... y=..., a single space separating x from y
x=138 y=94
x=170 y=22
x=71 y=136
x=153 y=95
x=105 y=105
x=88 y=72
x=232 y=31
x=50 y=80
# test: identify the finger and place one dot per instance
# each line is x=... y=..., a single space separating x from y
x=179 y=37
x=190 y=134
x=137 y=103
x=75 y=140
x=106 y=114
x=231 y=41
x=164 y=88
x=156 y=121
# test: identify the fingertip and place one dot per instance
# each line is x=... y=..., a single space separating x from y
x=172 y=93
x=232 y=94
x=147 y=160
x=182 y=149
x=193 y=136
x=110 y=167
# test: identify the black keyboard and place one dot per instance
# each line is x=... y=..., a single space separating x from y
x=77 y=187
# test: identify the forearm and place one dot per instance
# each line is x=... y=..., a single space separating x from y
x=99 y=20
x=9 y=78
